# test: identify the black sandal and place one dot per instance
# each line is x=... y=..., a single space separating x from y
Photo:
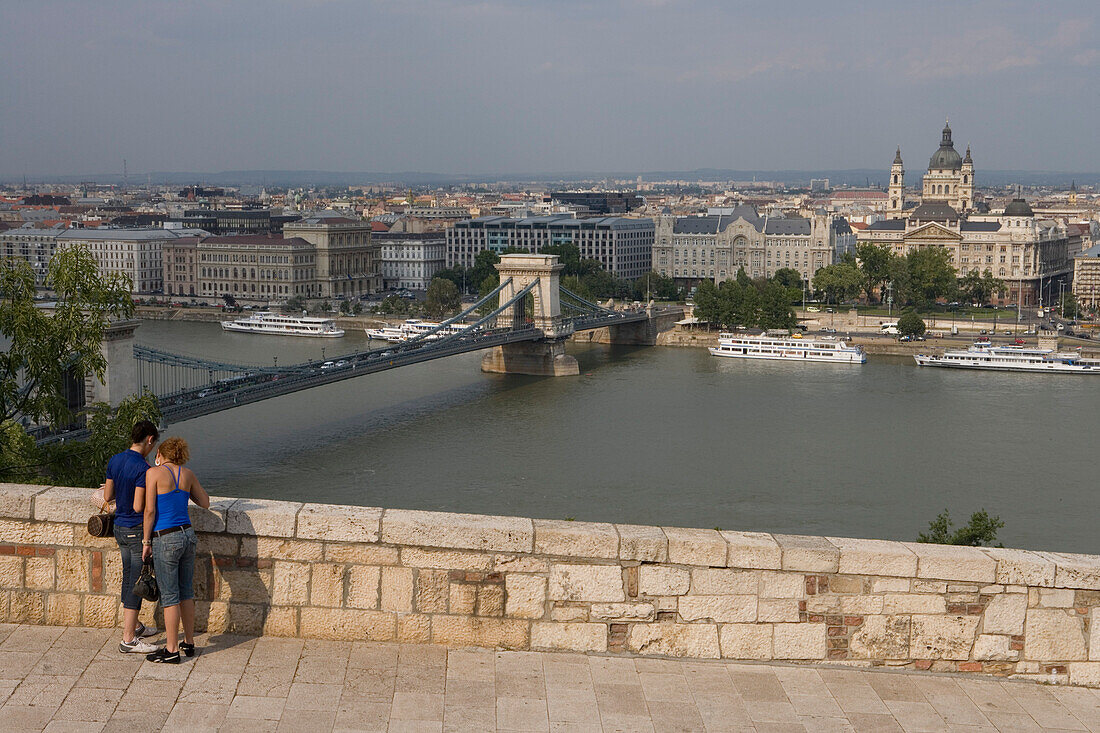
x=163 y=656
x=187 y=649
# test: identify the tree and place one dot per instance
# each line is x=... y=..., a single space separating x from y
x=1068 y=306
x=707 y=307
x=972 y=287
x=980 y=531
x=874 y=262
x=391 y=304
x=931 y=274
x=910 y=324
x=789 y=277
x=776 y=311
x=442 y=298
x=838 y=282
x=568 y=254
x=484 y=267
x=230 y=301
x=742 y=277
x=297 y=303
x=488 y=285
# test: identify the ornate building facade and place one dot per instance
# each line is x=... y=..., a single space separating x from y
x=1031 y=254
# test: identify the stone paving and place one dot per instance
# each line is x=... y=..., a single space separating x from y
x=74 y=679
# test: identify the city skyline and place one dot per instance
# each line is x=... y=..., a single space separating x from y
x=492 y=88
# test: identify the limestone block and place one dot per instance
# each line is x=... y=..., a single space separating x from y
x=799 y=641
x=752 y=550
x=622 y=612
x=337 y=523
x=503 y=633
x=11 y=572
x=942 y=637
x=568 y=612
x=459 y=531
x=39 y=575
x=810 y=554
x=1020 y=567
x=1086 y=674
x=874 y=557
x=525 y=595
x=246 y=618
x=63 y=609
x=431 y=591
x=576 y=539
x=327 y=588
x=226 y=545
x=860 y=605
x=281 y=622
x=777 y=610
x=245 y=586
x=490 y=600
x=262 y=517
x=17 y=500
x=1054 y=635
x=696 y=547
x=414 y=628
x=1055 y=597
x=570 y=637
x=414 y=557
x=723 y=581
x=63 y=504
x=363 y=582
x=212 y=519
x=952 y=562
x=1094 y=636
x=893 y=603
x=575 y=582
x=359 y=553
x=928 y=586
x=993 y=648
x=275 y=548
x=27 y=607
x=72 y=570
x=397 y=590
x=746 y=641
x=39 y=533
x=661 y=580
x=211 y=617
x=881 y=637
x=290 y=586
x=845 y=584
x=347 y=625
x=520 y=564
x=1005 y=614
x=1073 y=571
x=638 y=542
x=823 y=604
x=100 y=611
x=674 y=640
x=782 y=585
x=722 y=609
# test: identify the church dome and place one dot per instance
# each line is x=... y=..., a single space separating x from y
x=1018 y=207
x=946 y=157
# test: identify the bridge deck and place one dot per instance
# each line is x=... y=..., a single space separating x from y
x=57 y=678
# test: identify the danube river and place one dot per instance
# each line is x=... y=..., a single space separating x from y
x=666 y=436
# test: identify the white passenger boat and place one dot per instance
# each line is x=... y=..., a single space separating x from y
x=412 y=328
x=280 y=325
x=787 y=349
x=1011 y=359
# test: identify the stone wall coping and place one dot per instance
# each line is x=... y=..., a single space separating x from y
x=596 y=540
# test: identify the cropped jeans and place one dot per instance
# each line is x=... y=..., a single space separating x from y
x=174 y=564
x=129 y=544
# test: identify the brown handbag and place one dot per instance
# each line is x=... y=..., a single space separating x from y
x=101 y=525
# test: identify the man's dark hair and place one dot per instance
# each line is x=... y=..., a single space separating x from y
x=142 y=430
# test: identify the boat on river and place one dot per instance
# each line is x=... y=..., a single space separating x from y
x=1011 y=359
x=788 y=349
x=412 y=328
x=280 y=325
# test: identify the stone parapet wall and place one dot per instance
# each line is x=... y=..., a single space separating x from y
x=341 y=572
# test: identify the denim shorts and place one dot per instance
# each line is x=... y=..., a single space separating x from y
x=174 y=563
x=129 y=544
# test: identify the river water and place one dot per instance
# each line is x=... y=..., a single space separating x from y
x=667 y=436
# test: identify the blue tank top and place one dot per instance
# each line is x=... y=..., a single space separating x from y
x=172 y=507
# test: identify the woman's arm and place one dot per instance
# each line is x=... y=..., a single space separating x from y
x=198 y=493
x=150 y=512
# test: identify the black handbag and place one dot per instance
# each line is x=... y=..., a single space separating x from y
x=146 y=585
x=101 y=525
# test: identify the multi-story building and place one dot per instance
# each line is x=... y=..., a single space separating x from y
x=347 y=262
x=411 y=260
x=714 y=247
x=135 y=253
x=1086 y=277
x=623 y=246
x=35 y=244
x=256 y=267
x=180 y=258
x=1031 y=254
x=600 y=202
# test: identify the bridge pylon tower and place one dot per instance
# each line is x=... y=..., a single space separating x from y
x=544 y=357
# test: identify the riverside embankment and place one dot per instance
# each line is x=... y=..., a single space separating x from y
x=349 y=573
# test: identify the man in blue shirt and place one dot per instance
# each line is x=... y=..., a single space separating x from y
x=125 y=474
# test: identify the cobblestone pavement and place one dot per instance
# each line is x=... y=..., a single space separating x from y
x=74 y=679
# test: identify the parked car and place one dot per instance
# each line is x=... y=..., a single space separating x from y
x=328 y=365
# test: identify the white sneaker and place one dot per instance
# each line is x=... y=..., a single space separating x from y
x=143 y=631
x=136 y=646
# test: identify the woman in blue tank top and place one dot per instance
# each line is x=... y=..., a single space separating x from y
x=171 y=541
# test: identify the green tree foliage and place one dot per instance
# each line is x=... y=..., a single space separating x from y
x=442 y=298
x=656 y=286
x=488 y=285
x=838 y=282
x=931 y=275
x=789 y=277
x=485 y=266
x=1069 y=307
x=392 y=305
x=910 y=324
x=707 y=307
x=874 y=261
x=980 y=288
x=743 y=278
x=900 y=281
x=980 y=531
x=762 y=304
x=295 y=304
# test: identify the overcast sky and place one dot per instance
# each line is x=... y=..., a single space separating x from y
x=547 y=85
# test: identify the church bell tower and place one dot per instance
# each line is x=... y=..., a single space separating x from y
x=897 y=187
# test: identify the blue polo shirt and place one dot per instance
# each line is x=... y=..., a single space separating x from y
x=127 y=469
